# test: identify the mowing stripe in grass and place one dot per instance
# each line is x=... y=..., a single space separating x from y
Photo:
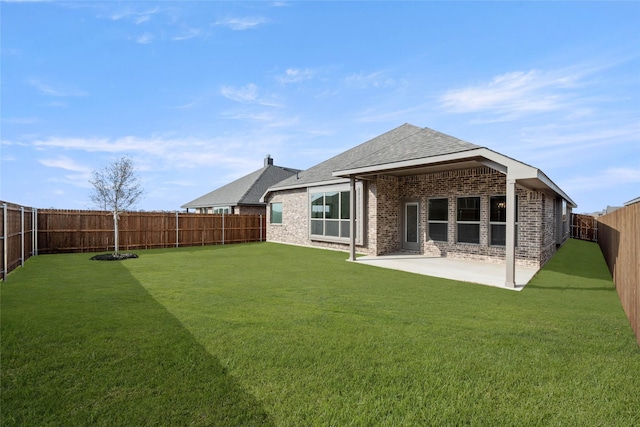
x=83 y=343
x=304 y=338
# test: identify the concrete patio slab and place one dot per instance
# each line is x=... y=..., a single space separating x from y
x=482 y=273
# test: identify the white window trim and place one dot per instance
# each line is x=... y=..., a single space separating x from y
x=221 y=208
x=271 y=216
x=359 y=212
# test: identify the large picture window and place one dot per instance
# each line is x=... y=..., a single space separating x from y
x=498 y=219
x=330 y=213
x=438 y=219
x=468 y=219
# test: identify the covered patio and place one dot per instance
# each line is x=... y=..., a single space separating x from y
x=483 y=273
x=505 y=274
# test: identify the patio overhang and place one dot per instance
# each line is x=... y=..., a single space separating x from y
x=525 y=175
x=517 y=173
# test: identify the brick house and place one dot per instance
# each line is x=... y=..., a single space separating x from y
x=417 y=190
x=242 y=196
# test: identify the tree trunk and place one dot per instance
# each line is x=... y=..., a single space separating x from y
x=115 y=230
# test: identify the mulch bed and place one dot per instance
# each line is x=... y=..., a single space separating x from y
x=113 y=257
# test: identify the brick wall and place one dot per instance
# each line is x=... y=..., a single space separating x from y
x=384 y=199
x=533 y=242
x=387 y=230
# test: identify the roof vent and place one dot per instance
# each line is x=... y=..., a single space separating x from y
x=268 y=160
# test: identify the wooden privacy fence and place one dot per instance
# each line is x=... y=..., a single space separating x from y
x=584 y=227
x=619 y=239
x=92 y=231
x=29 y=231
x=18 y=233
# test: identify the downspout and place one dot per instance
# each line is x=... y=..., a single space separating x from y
x=510 y=243
x=352 y=218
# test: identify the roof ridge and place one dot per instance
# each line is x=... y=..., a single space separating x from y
x=419 y=129
x=249 y=188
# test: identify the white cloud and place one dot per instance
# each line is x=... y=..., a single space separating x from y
x=65 y=163
x=157 y=152
x=248 y=93
x=59 y=90
x=607 y=178
x=20 y=120
x=240 y=24
x=511 y=94
x=137 y=17
x=295 y=75
x=376 y=79
x=188 y=34
x=80 y=176
x=145 y=38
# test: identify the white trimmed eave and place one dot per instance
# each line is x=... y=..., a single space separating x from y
x=524 y=174
x=307 y=185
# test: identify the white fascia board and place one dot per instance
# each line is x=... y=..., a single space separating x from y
x=413 y=163
x=296 y=186
x=494 y=160
x=547 y=181
x=513 y=168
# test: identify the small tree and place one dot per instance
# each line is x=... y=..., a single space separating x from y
x=116 y=187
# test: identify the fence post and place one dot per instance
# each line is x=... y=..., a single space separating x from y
x=261 y=228
x=177 y=231
x=33 y=231
x=5 y=245
x=223 y=227
x=21 y=236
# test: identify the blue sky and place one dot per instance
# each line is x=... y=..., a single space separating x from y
x=197 y=93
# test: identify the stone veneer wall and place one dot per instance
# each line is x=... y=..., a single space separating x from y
x=250 y=210
x=295 y=221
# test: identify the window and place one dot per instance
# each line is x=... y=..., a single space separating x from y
x=468 y=218
x=498 y=219
x=438 y=219
x=275 y=213
x=221 y=210
x=330 y=213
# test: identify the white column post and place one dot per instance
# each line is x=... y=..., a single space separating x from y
x=352 y=218
x=510 y=243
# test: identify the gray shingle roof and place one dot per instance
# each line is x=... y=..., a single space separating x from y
x=243 y=191
x=406 y=142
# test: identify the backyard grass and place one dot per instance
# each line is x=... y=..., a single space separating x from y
x=269 y=334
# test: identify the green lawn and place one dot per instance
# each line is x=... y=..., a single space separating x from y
x=268 y=334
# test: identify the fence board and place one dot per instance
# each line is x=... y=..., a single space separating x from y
x=584 y=227
x=91 y=231
x=619 y=238
x=16 y=230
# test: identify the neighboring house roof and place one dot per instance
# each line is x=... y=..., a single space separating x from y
x=246 y=190
x=632 y=201
x=409 y=149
